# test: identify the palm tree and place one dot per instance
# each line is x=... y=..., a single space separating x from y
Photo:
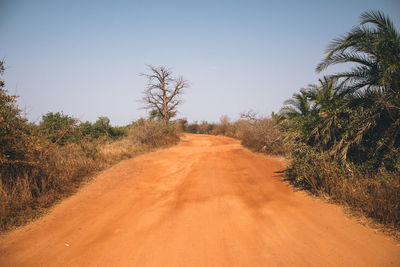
x=374 y=46
x=298 y=106
x=317 y=115
x=296 y=117
x=371 y=87
x=331 y=112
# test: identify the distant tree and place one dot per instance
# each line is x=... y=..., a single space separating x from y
x=249 y=115
x=183 y=124
x=85 y=128
x=163 y=92
x=206 y=128
x=101 y=127
x=58 y=127
x=224 y=126
x=193 y=127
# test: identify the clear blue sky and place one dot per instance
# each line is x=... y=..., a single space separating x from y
x=83 y=57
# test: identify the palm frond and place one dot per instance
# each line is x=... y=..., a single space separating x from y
x=382 y=22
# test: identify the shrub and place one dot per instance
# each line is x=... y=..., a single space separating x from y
x=224 y=127
x=375 y=194
x=19 y=145
x=259 y=134
x=59 y=170
x=58 y=128
x=101 y=128
x=153 y=133
x=41 y=164
x=262 y=135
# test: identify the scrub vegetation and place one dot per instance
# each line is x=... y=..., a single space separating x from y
x=344 y=132
x=40 y=164
x=260 y=134
x=341 y=135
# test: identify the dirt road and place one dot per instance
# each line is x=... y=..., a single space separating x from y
x=205 y=202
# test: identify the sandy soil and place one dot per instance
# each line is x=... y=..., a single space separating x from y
x=205 y=202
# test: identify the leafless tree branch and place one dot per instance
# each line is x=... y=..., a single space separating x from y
x=163 y=92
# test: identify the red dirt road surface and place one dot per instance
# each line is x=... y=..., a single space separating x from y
x=205 y=202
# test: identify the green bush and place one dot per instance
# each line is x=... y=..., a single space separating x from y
x=101 y=128
x=59 y=128
x=19 y=145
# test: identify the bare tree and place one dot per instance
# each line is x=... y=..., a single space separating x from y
x=163 y=92
x=249 y=115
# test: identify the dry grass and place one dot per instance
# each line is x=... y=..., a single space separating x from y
x=376 y=195
x=60 y=170
x=258 y=134
x=150 y=133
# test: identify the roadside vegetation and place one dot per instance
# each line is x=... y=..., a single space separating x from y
x=341 y=136
x=42 y=163
x=344 y=132
x=260 y=134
